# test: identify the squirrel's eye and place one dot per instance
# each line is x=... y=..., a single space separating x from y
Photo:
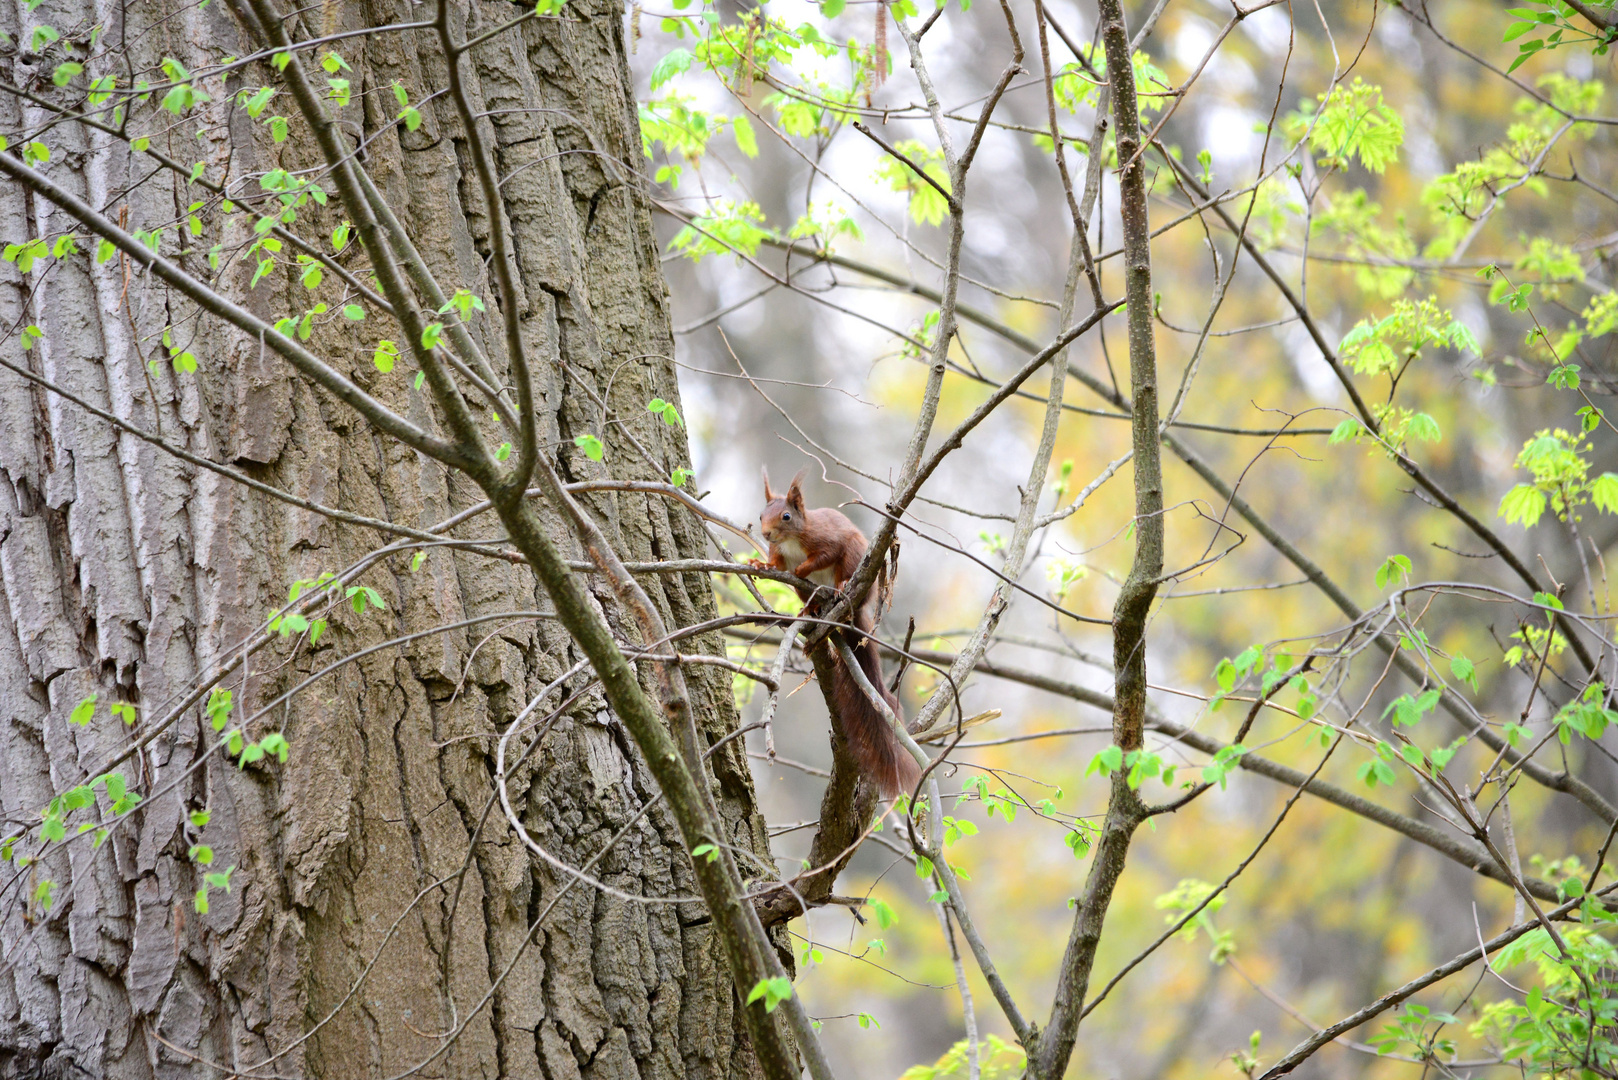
x=786 y=515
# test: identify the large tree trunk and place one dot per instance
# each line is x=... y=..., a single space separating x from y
x=132 y=575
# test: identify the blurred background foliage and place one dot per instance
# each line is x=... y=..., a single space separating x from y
x=1336 y=910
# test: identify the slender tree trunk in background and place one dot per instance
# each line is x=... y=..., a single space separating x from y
x=129 y=574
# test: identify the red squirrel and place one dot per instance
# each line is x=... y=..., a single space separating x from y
x=825 y=547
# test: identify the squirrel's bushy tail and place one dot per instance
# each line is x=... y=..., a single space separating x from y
x=870 y=738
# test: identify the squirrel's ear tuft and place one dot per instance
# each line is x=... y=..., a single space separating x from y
x=769 y=496
x=795 y=490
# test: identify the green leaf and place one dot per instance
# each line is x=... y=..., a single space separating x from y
x=667 y=410
x=1604 y=493
x=183 y=97
x=431 y=335
x=1464 y=670
x=771 y=991
x=1343 y=432
x=464 y=301
x=1423 y=427
x=25 y=253
x=359 y=595
x=218 y=708
x=742 y=128
x=590 y=445
x=885 y=915
x=675 y=62
x=729 y=227
x=1392 y=566
x=255 y=104
x=1524 y=503
x=1106 y=762
x=385 y=355
x=275 y=743
x=292 y=623
x=117 y=787
x=1217 y=770
x=100 y=90
x=84 y=711
x=1377 y=772
x=1441 y=755
x=1565 y=377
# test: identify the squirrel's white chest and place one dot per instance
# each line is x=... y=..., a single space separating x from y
x=792 y=551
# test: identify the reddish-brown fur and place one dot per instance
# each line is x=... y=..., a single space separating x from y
x=825 y=547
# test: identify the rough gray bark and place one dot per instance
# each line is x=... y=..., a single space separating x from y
x=129 y=574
